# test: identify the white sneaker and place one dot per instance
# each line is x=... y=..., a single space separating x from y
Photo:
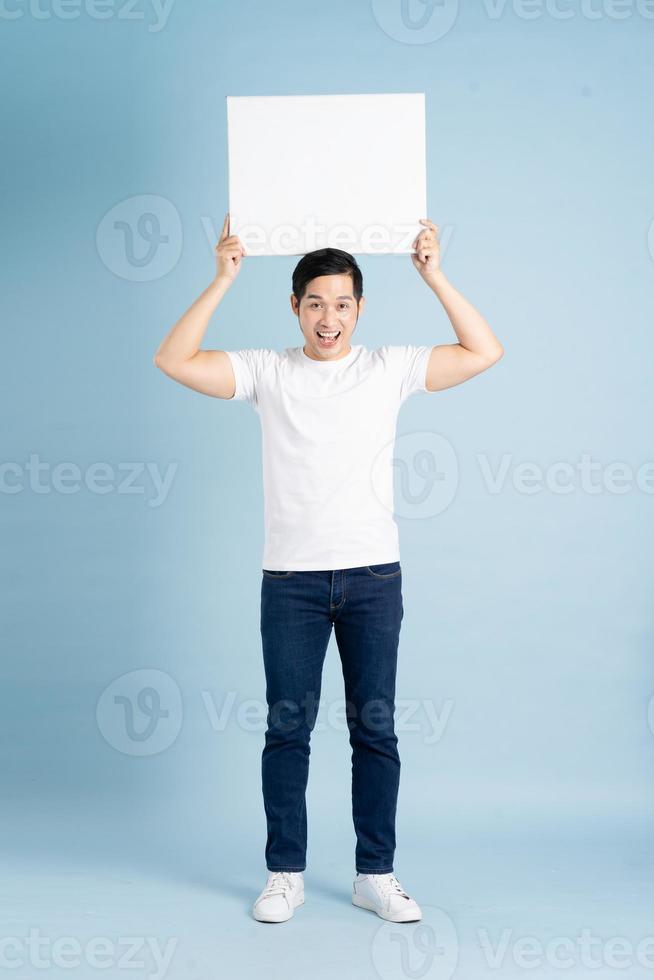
x=384 y=895
x=284 y=892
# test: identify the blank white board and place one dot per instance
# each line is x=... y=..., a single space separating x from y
x=310 y=171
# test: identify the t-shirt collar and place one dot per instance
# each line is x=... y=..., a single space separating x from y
x=305 y=359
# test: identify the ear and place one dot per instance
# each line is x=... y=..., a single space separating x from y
x=294 y=304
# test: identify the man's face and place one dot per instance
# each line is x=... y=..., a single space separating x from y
x=328 y=308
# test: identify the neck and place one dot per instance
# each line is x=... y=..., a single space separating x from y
x=313 y=358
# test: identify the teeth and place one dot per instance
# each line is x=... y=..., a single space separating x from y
x=329 y=336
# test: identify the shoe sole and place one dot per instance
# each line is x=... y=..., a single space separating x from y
x=363 y=903
x=285 y=918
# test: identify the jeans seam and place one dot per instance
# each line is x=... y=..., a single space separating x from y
x=340 y=604
x=395 y=574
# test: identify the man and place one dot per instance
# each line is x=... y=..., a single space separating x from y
x=328 y=413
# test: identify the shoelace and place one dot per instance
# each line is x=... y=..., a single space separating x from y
x=278 y=882
x=390 y=884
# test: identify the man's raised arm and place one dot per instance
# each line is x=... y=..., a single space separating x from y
x=478 y=347
x=178 y=355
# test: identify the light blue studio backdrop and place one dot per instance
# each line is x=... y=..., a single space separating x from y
x=132 y=681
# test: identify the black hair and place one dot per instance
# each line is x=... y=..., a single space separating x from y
x=326 y=262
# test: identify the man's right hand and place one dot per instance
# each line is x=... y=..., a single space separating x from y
x=229 y=254
x=179 y=355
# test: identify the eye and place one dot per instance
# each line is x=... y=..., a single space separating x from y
x=343 y=305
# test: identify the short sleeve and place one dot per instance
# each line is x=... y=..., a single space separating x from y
x=249 y=366
x=408 y=363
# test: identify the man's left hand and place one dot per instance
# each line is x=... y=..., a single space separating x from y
x=426 y=257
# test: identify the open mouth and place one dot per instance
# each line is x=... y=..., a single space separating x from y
x=327 y=338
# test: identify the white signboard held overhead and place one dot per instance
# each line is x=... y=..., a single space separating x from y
x=310 y=171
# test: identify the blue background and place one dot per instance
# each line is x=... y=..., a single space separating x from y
x=528 y=615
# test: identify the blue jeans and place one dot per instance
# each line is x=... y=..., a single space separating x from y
x=298 y=610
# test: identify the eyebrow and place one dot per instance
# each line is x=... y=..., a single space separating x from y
x=316 y=296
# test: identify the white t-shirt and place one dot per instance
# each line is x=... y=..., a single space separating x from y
x=328 y=431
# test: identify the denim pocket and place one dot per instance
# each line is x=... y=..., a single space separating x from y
x=272 y=574
x=390 y=569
